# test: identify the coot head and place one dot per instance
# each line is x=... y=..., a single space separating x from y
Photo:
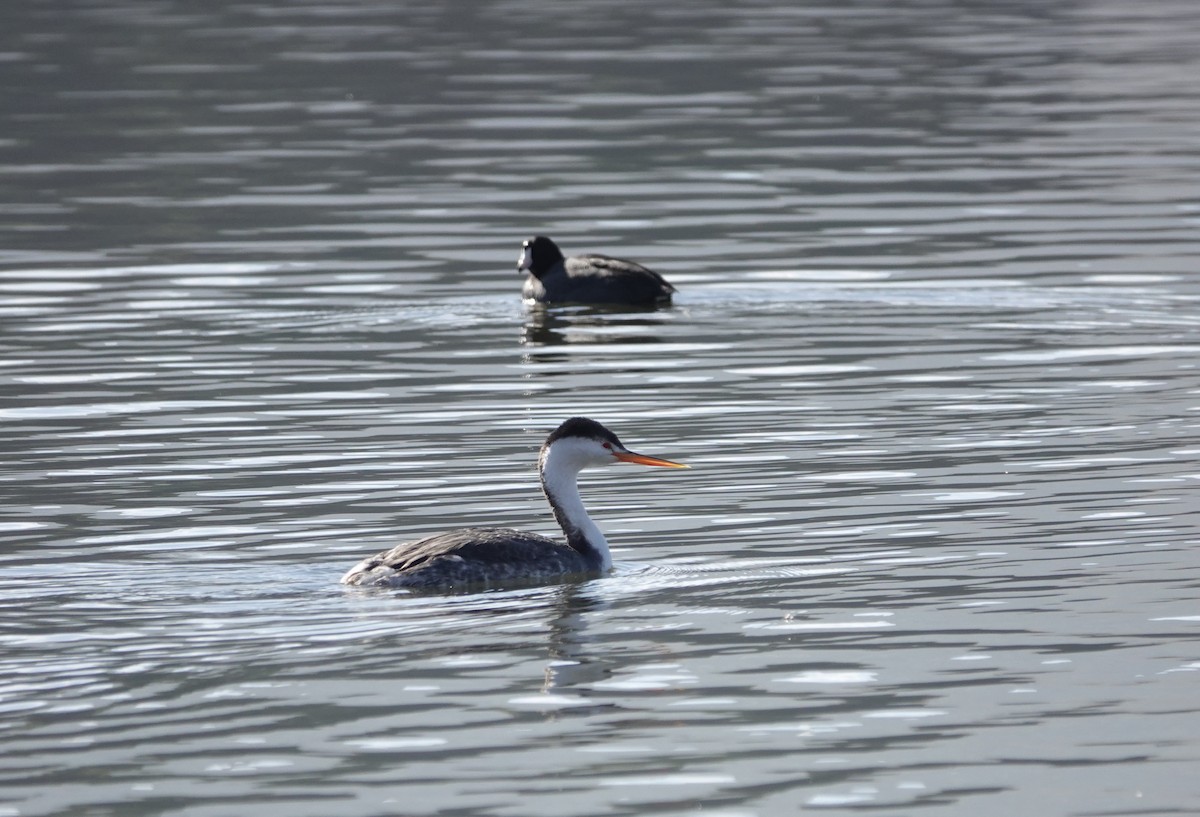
x=539 y=255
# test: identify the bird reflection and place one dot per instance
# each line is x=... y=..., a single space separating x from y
x=558 y=326
x=572 y=661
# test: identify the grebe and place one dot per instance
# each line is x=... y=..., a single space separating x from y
x=471 y=558
x=587 y=279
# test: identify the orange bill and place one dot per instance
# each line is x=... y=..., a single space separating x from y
x=642 y=459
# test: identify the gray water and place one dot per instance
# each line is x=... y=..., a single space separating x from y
x=933 y=361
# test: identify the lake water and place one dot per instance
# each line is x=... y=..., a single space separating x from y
x=933 y=361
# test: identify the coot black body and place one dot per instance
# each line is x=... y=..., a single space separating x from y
x=587 y=279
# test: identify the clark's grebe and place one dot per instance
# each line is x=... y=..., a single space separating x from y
x=476 y=558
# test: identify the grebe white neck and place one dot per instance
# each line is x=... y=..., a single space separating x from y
x=560 y=465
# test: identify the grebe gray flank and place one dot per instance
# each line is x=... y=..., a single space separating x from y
x=587 y=279
x=476 y=558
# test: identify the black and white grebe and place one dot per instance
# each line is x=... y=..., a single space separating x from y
x=587 y=279
x=476 y=558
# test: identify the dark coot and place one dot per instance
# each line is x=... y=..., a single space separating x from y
x=587 y=279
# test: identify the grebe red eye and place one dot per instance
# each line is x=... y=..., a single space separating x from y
x=608 y=446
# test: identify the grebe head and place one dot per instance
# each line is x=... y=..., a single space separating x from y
x=538 y=256
x=579 y=443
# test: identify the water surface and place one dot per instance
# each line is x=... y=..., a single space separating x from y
x=933 y=361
